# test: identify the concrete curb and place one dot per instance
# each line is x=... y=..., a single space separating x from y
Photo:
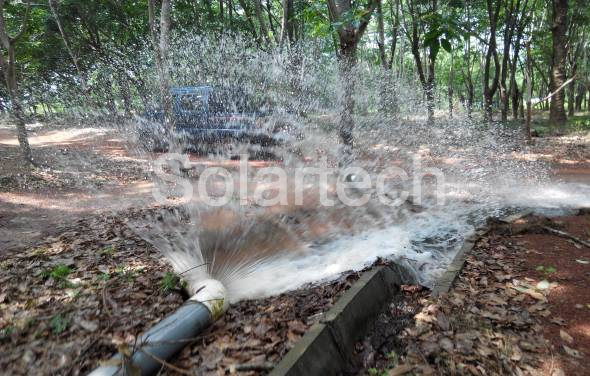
x=325 y=349
x=444 y=283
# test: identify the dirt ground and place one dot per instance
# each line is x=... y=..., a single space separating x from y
x=87 y=171
x=520 y=306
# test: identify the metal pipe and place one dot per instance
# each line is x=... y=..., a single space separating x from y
x=170 y=335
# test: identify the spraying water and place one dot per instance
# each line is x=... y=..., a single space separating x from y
x=258 y=251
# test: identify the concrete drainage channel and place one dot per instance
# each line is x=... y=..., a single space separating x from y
x=327 y=346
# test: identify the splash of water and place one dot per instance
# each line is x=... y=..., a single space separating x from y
x=262 y=251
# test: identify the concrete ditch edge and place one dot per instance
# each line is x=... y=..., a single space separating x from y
x=326 y=347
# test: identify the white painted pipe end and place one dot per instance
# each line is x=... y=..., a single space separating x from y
x=213 y=295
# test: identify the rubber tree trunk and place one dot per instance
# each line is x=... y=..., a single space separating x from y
x=580 y=96
x=8 y=67
x=17 y=109
x=450 y=88
x=347 y=63
x=557 y=113
x=161 y=47
x=21 y=129
x=491 y=57
x=125 y=92
x=529 y=93
x=571 y=90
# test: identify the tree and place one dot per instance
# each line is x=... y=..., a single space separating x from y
x=8 y=65
x=492 y=54
x=431 y=41
x=558 y=32
x=350 y=24
x=161 y=47
x=286 y=22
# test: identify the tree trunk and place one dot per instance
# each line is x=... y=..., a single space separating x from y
x=557 y=113
x=450 y=88
x=286 y=24
x=427 y=80
x=349 y=34
x=509 y=26
x=348 y=58
x=161 y=50
x=572 y=94
x=580 y=96
x=430 y=88
x=125 y=93
x=8 y=66
x=262 y=24
x=492 y=53
x=381 y=35
x=270 y=21
x=529 y=84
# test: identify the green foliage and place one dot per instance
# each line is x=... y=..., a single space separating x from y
x=376 y=372
x=59 y=274
x=6 y=332
x=442 y=31
x=169 y=282
x=546 y=270
x=111 y=42
x=59 y=324
x=108 y=251
x=126 y=273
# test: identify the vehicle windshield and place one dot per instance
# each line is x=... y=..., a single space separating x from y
x=191 y=102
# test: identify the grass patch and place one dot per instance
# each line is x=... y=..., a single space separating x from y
x=574 y=124
x=108 y=251
x=127 y=274
x=171 y=281
x=6 y=332
x=59 y=324
x=59 y=274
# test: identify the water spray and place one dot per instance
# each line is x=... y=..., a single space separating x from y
x=208 y=303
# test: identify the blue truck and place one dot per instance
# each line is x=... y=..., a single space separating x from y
x=204 y=116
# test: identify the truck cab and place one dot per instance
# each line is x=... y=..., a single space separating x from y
x=203 y=115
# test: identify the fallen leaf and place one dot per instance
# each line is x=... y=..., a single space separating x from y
x=516 y=354
x=558 y=321
x=442 y=321
x=566 y=337
x=90 y=326
x=584 y=262
x=572 y=352
x=543 y=285
x=535 y=294
x=446 y=344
